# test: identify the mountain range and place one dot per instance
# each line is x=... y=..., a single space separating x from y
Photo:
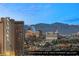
x=60 y=27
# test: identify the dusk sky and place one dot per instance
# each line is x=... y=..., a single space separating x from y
x=33 y=13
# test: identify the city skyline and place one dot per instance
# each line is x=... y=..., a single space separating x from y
x=33 y=13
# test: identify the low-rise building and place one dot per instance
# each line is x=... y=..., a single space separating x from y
x=51 y=36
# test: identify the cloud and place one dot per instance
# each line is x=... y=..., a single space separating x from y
x=72 y=20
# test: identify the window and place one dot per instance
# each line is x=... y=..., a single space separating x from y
x=7 y=32
x=7 y=35
x=7 y=23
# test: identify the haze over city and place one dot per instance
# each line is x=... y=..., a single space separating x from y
x=33 y=13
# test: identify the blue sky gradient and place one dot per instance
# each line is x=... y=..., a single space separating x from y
x=33 y=13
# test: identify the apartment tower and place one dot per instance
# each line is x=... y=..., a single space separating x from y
x=11 y=36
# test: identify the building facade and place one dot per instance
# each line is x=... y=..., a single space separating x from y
x=19 y=37
x=51 y=36
x=11 y=36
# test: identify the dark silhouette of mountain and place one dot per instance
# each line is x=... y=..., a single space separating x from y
x=61 y=27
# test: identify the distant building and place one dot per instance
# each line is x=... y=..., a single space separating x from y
x=75 y=36
x=11 y=36
x=40 y=34
x=29 y=33
x=51 y=36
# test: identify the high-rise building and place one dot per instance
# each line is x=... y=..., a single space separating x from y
x=19 y=37
x=11 y=36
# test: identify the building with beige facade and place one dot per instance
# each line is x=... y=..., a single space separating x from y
x=51 y=36
x=11 y=36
